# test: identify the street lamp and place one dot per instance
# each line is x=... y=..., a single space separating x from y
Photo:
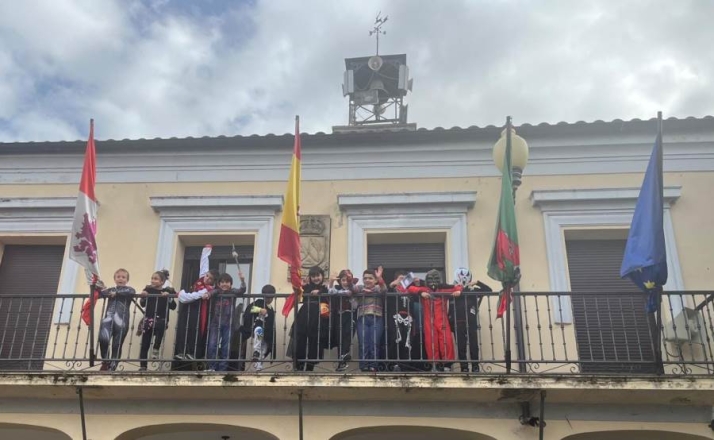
x=519 y=159
x=519 y=155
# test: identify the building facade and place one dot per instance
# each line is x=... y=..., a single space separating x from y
x=583 y=348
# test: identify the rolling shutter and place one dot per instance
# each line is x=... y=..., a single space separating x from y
x=613 y=329
x=407 y=255
x=25 y=321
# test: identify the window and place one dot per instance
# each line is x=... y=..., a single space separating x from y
x=25 y=322
x=595 y=208
x=612 y=328
x=414 y=252
x=407 y=213
x=187 y=215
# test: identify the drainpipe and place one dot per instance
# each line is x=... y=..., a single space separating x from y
x=527 y=419
x=81 y=412
x=299 y=415
x=541 y=425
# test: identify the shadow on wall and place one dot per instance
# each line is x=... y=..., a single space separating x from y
x=29 y=432
x=409 y=433
x=635 y=435
x=192 y=431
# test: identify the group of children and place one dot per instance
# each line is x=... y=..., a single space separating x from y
x=216 y=298
x=409 y=324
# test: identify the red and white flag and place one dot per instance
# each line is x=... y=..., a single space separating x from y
x=83 y=248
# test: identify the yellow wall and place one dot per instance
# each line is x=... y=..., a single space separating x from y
x=129 y=228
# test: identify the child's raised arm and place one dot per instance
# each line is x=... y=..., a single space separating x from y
x=242 y=289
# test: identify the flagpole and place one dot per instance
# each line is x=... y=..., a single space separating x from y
x=92 y=288
x=658 y=338
x=517 y=309
x=507 y=287
x=297 y=292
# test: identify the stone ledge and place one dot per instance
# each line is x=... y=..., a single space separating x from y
x=282 y=386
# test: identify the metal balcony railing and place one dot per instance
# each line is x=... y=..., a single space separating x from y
x=563 y=333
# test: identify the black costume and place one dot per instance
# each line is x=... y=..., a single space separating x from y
x=156 y=319
x=463 y=317
x=310 y=332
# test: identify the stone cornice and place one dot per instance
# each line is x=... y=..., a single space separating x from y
x=459 y=200
x=550 y=200
x=183 y=205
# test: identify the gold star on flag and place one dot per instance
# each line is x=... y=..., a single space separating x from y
x=649 y=284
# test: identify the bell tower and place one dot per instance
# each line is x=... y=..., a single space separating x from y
x=376 y=86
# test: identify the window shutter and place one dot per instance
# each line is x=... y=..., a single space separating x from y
x=25 y=322
x=612 y=328
x=414 y=256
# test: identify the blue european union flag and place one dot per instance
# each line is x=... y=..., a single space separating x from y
x=645 y=259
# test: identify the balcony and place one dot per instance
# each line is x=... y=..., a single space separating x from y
x=565 y=334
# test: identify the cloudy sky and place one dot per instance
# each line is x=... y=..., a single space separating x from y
x=162 y=68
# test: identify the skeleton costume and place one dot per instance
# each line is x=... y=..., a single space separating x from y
x=262 y=329
x=115 y=324
x=463 y=317
x=437 y=331
x=400 y=326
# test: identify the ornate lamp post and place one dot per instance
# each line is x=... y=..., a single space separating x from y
x=519 y=156
x=519 y=160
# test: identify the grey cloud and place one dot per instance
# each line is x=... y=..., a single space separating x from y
x=143 y=71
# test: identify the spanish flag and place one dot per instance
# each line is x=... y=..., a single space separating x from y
x=289 y=243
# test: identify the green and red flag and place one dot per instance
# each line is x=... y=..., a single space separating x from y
x=504 y=264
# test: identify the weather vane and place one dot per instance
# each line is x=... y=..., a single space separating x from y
x=378 y=22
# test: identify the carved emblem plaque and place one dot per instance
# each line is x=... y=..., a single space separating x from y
x=314 y=243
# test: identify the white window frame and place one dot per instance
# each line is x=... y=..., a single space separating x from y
x=183 y=215
x=45 y=215
x=403 y=213
x=566 y=209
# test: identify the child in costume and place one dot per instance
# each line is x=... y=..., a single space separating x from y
x=115 y=325
x=259 y=323
x=342 y=311
x=156 y=315
x=400 y=323
x=311 y=329
x=463 y=317
x=437 y=331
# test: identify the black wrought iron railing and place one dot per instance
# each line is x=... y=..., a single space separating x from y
x=564 y=333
